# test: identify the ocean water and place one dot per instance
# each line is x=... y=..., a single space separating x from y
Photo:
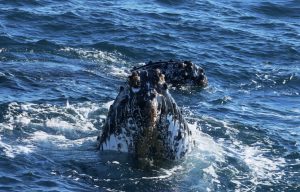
x=62 y=62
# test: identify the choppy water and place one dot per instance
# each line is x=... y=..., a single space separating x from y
x=61 y=62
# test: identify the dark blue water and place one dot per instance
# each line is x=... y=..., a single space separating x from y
x=62 y=62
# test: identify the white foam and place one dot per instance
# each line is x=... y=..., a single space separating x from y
x=119 y=71
x=166 y=173
x=59 y=124
x=47 y=141
x=70 y=118
x=210 y=170
x=207 y=149
x=2 y=74
x=13 y=150
x=108 y=104
x=51 y=127
x=94 y=54
x=261 y=166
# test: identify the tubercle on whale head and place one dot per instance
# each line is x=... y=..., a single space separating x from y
x=200 y=78
x=147 y=81
x=134 y=79
x=195 y=73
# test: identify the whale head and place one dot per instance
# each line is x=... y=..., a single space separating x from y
x=145 y=120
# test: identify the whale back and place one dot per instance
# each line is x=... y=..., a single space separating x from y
x=178 y=73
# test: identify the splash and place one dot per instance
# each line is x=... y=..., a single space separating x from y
x=11 y=150
x=51 y=126
x=262 y=167
x=96 y=55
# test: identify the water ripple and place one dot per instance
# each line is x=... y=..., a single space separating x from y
x=62 y=61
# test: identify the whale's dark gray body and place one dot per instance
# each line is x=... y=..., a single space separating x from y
x=145 y=120
x=178 y=73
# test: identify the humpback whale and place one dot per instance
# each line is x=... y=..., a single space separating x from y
x=144 y=119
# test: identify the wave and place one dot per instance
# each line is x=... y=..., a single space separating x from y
x=7 y=41
x=124 y=49
x=11 y=44
x=96 y=54
x=69 y=131
x=171 y=2
x=81 y=52
x=278 y=80
x=279 y=10
x=47 y=43
x=23 y=2
x=245 y=155
x=53 y=126
x=66 y=132
x=19 y=15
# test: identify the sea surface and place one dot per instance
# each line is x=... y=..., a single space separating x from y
x=62 y=63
